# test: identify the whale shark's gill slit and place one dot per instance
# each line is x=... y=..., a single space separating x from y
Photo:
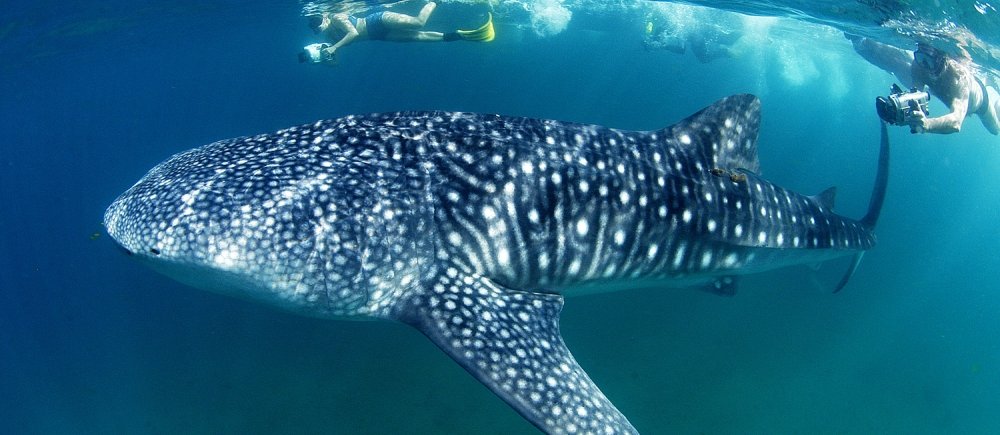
x=517 y=267
x=598 y=236
x=510 y=341
x=471 y=248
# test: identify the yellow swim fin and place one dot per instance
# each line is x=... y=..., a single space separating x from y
x=484 y=33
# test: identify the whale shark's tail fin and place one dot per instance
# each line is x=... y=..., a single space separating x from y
x=875 y=204
x=509 y=340
x=881 y=181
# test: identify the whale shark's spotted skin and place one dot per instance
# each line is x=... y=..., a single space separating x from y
x=471 y=228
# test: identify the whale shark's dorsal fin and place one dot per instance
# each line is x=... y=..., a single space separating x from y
x=510 y=341
x=725 y=133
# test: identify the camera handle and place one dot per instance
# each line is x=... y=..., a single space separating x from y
x=914 y=107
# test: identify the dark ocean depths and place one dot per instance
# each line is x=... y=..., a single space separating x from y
x=93 y=95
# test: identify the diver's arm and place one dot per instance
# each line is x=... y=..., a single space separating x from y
x=952 y=122
x=350 y=32
x=959 y=105
x=895 y=61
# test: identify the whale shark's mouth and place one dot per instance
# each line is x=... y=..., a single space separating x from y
x=111 y=223
x=116 y=224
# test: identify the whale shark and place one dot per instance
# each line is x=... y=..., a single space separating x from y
x=472 y=228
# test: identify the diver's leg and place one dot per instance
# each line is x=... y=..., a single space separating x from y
x=990 y=118
x=399 y=21
x=425 y=13
x=409 y=35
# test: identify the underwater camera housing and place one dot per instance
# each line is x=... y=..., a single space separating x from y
x=899 y=107
x=313 y=53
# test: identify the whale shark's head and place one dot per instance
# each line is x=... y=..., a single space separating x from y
x=252 y=218
x=158 y=223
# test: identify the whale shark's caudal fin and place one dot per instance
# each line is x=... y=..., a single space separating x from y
x=510 y=341
x=875 y=204
x=881 y=181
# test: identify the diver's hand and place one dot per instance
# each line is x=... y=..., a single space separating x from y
x=918 y=122
x=328 y=53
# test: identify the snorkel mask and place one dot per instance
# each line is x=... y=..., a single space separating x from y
x=319 y=23
x=930 y=58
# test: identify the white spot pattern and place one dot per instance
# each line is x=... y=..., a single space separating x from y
x=345 y=217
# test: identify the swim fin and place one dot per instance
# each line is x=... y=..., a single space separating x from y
x=484 y=33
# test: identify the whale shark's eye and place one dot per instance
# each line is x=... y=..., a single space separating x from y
x=154 y=251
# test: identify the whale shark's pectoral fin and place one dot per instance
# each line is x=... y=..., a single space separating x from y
x=510 y=341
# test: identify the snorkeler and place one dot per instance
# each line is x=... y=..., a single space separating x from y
x=950 y=78
x=386 y=26
x=709 y=34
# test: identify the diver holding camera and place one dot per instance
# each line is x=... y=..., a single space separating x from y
x=952 y=78
x=904 y=107
x=382 y=25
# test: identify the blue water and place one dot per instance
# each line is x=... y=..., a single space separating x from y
x=92 y=342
